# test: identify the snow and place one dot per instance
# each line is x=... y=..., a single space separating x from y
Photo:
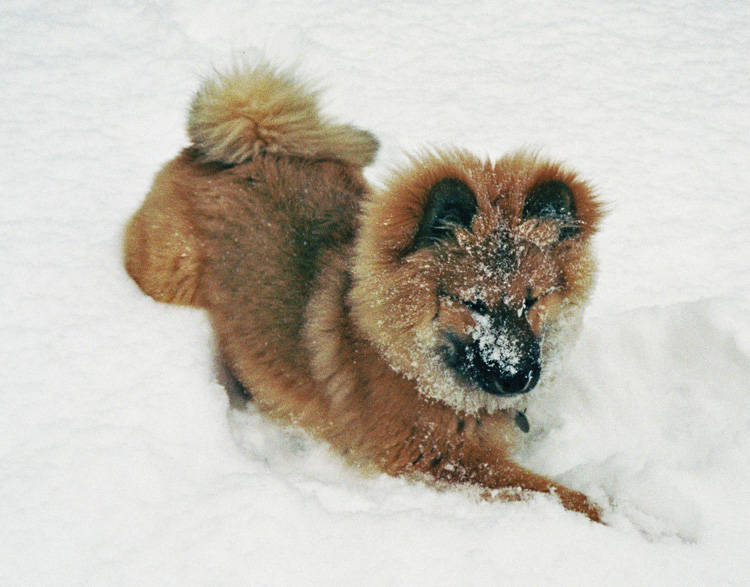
x=121 y=462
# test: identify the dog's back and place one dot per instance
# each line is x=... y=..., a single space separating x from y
x=284 y=181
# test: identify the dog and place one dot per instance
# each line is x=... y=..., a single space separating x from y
x=406 y=326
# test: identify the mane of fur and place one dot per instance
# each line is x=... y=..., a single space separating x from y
x=248 y=111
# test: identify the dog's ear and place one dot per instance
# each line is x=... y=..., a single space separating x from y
x=553 y=200
x=450 y=204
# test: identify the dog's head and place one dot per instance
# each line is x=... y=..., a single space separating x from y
x=470 y=276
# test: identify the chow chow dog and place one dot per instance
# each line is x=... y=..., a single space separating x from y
x=407 y=325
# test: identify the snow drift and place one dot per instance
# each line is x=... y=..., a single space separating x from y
x=121 y=461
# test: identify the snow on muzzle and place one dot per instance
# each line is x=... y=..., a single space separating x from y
x=501 y=355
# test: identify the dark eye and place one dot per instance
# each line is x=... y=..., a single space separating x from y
x=529 y=302
x=477 y=306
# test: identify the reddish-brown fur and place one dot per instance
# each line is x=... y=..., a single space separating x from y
x=321 y=309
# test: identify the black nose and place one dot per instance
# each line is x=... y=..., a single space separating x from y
x=503 y=378
x=518 y=382
x=499 y=378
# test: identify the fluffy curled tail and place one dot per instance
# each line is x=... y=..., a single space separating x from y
x=250 y=111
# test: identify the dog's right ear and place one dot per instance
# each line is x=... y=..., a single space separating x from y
x=450 y=204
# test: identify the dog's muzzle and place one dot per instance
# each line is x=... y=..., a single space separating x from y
x=503 y=359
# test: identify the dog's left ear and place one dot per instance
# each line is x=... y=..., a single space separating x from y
x=450 y=204
x=553 y=200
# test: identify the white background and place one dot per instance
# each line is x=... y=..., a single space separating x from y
x=120 y=461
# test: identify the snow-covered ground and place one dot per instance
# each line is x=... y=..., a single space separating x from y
x=121 y=462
